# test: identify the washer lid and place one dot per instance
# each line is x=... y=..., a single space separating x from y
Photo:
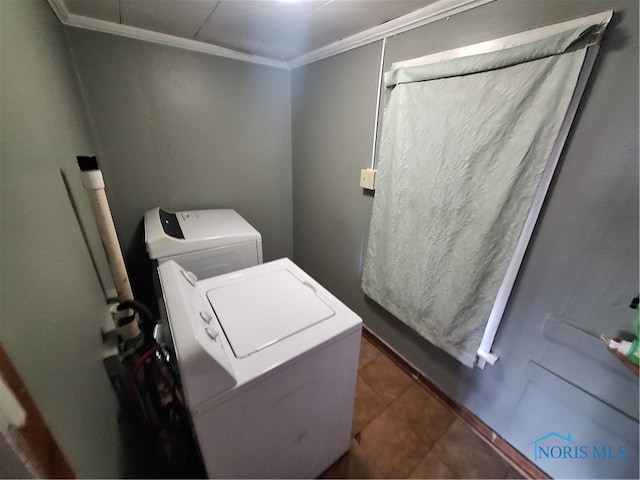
x=261 y=310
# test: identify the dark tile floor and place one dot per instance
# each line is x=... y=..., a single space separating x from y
x=400 y=430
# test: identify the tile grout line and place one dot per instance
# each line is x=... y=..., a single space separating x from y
x=391 y=411
x=376 y=416
x=436 y=453
x=514 y=459
x=441 y=403
x=444 y=463
x=410 y=378
x=422 y=460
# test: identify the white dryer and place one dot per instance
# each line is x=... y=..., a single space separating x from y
x=268 y=360
x=205 y=242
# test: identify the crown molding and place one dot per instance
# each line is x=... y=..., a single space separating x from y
x=60 y=9
x=136 y=33
x=431 y=13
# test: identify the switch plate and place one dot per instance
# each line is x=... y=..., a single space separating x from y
x=368 y=178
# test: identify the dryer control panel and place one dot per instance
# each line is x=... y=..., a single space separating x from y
x=170 y=224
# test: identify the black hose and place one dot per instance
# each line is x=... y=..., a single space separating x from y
x=148 y=322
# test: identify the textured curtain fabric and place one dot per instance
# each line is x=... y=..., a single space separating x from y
x=463 y=146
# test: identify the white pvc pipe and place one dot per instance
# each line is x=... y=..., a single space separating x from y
x=94 y=184
x=377 y=117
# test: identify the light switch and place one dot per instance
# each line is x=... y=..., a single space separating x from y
x=368 y=178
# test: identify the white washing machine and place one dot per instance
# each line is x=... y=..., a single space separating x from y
x=268 y=361
x=205 y=242
x=267 y=357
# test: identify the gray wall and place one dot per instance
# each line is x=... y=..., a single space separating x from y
x=184 y=130
x=333 y=117
x=51 y=301
x=582 y=265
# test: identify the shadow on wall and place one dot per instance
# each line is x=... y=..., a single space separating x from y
x=440 y=359
x=140 y=270
x=615 y=38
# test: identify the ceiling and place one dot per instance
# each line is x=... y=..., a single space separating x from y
x=280 y=30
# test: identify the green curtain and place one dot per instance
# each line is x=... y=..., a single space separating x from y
x=463 y=145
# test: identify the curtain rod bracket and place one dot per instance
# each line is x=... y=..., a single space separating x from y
x=596 y=36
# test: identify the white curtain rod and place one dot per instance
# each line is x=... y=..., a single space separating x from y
x=509 y=41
